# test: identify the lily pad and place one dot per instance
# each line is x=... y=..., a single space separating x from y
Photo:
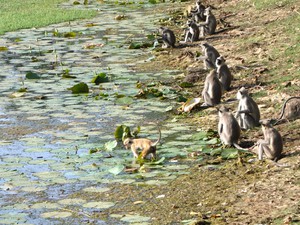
x=32 y=75
x=56 y=214
x=96 y=189
x=100 y=78
x=230 y=153
x=117 y=169
x=109 y=146
x=98 y=205
x=135 y=219
x=79 y=88
x=124 y=100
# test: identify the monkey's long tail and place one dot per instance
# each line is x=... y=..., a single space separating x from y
x=283 y=108
x=159 y=137
x=240 y=148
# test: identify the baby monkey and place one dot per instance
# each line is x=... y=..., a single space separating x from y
x=147 y=146
x=272 y=145
x=192 y=33
x=168 y=37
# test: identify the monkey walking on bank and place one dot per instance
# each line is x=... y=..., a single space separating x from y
x=147 y=146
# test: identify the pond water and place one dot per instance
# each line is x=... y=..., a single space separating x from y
x=48 y=132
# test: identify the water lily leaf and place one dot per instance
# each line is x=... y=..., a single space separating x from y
x=72 y=201
x=56 y=214
x=100 y=78
x=213 y=141
x=122 y=132
x=186 y=85
x=135 y=218
x=31 y=75
x=230 y=153
x=109 y=146
x=117 y=169
x=199 y=136
x=99 y=205
x=190 y=104
x=160 y=161
x=70 y=34
x=3 y=48
x=124 y=100
x=96 y=189
x=66 y=74
x=79 y=88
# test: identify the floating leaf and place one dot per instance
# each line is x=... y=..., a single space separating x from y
x=66 y=74
x=199 y=136
x=100 y=78
x=186 y=85
x=160 y=161
x=70 y=34
x=117 y=169
x=109 y=146
x=124 y=100
x=190 y=104
x=79 y=88
x=229 y=153
x=213 y=141
x=3 y=48
x=56 y=214
x=135 y=219
x=99 y=205
x=31 y=75
x=122 y=132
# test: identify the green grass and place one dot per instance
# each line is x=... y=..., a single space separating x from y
x=265 y=4
x=16 y=14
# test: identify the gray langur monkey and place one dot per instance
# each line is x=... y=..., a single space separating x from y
x=192 y=33
x=271 y=146
x=198 y=12
x=290 y=109
x=168 y=37
x=210 y=56
x=228 y=128
x=210 y=24
x=224 y=73
x=147 y=146
x=247 y=114
x=212 y=91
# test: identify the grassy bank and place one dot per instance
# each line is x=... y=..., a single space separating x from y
x=17 y=14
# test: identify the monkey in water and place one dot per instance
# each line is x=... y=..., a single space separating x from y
x=147 y=146
x=290 y=109
x=192 y=33
x=210 y=24
x=168 y=37
x=224 y=73
x=212 y=91
x=228 y=128
x=247 y=114
x=210 y=56
x=198 y=12
x=272 y=145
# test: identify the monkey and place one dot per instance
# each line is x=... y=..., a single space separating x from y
x=168 y=37
x=248 y=114
x=210 y=56
x=290 y=111
x=212 y=91
x=198 y=13
x=224 y=73
x=192 y=33
x=210 y=24
x=147 y=146
x=272 y=145
x=228 y=128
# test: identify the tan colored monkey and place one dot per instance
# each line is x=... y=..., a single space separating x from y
x=147 y=146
